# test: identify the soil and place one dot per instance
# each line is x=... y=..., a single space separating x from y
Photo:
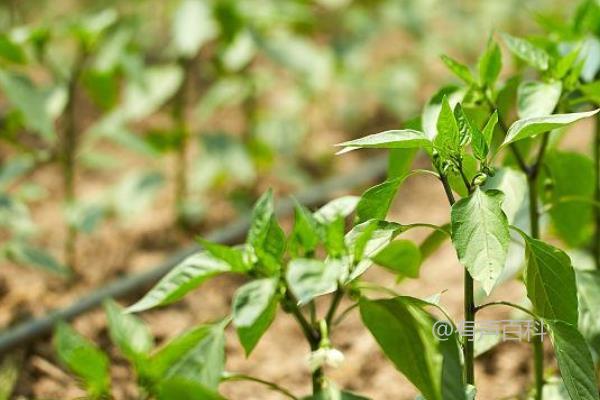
x=281 y=355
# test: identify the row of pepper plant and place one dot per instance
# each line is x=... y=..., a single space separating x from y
x=493 y=147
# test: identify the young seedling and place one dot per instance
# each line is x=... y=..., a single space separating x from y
x=286 y=271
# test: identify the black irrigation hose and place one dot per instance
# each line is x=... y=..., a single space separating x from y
x=30 y=330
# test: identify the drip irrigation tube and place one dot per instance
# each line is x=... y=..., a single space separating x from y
x=28 y=331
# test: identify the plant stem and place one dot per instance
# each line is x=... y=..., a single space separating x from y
x=538 y=350
x=270 y=385
x=469 y=310
x=596 y=246
x=335 y=303
x=312 y=335
x=534 y=220
x=505 y=303
x=469 y=301
x=68 y=154
x=180 y=104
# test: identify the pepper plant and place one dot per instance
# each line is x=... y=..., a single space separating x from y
x=465 y=131
x=82 y=63
x=294 y=272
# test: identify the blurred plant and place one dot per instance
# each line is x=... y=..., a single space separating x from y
x=64 y=53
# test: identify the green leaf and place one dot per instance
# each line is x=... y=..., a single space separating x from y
x=265 y=235
x=102 y=86
x=588 y=283
x=335 y=209
x=526 y=51
x=305 y=234
x=572 y=175
x=365 y=240
x=10 y=51
x=513 y=184
x=144 y=94
x=404 y=332
x=396 y=139
x=197 y=355
x=128 y=332
x=399 y=162
x=448 y=140
x=30 y=101
x=84 y=359
x=375 y=202
x=565 y=63
x=490 y=64
x=537 y=99
x=433 y=241
x=529 y=127
x=254 y=307
x=550 y=281
x=181 y=388
x=192 y=26
x=184 y=277
x=459 y=69
x=480 y=235
x=574 y=361
x=468 y=131
x=400 y=256
x=234 y=257
x=431 y=111
x=37 y=257
x=488 y=129
x=308 y=278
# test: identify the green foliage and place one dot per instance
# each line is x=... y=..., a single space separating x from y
x=197 y=355
x=399 y=139
x=449 y=139
x=404 y=331
x=308 y=271
x=186 y=276
x=571 y=176
x=480 y=235
x=129 y=333
x=253 y=310
x=400 y=256
x=31 y=103
x=574 y=361
x=550 y=282
x=376 y=201
x=84 y=359
x=308 y=278
x=490 y=64
x=537 y=99
x=530 y=127
x=460 y=70
x=527 y=51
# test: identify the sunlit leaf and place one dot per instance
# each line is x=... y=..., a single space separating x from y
x=184 y=277
x=480 y=235
x=254 y=307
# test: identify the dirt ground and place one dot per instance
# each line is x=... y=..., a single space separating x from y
x=281 y=355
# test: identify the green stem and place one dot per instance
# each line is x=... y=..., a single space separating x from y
x=506 y=303
x=596 y=246
x=313 y=337
x=180 y=104
x=270 y=385
x=469 y=302
x=469 y=310
x=68 y=155
x=335 y=303
x=534 y=219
